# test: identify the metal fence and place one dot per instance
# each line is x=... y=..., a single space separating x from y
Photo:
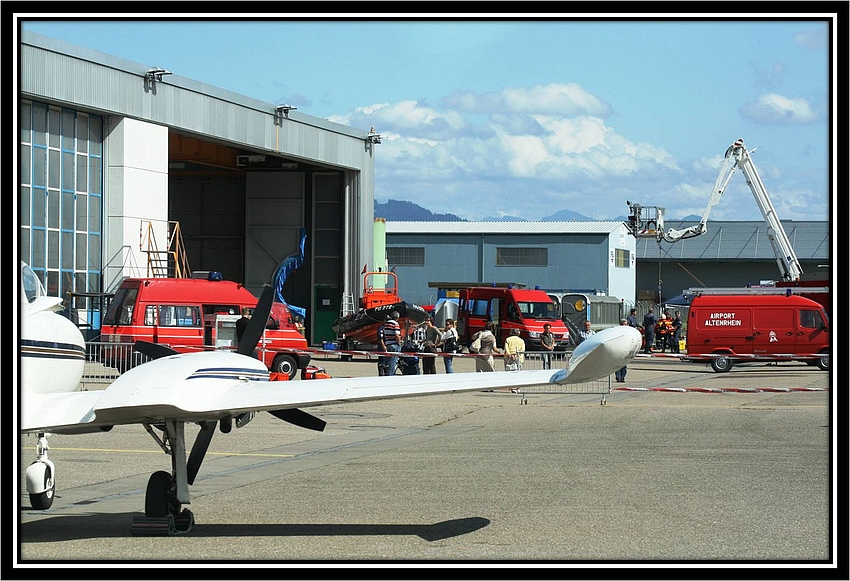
x=105 y=361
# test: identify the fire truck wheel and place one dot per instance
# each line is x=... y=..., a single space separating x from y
x=721 y=364
x=823 y=362
x=285 y=364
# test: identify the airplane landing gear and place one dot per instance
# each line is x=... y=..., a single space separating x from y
x=166 y=492
x=40 y=476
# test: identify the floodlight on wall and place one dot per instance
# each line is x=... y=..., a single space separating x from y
x=155 y=74
x=282 y=111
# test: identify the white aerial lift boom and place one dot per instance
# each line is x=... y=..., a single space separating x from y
x=736 y=157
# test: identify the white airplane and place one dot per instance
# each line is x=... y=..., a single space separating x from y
x=225 y=388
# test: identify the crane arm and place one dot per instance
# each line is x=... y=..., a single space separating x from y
x=736 y=157
x=786 y=258
x=727 y=170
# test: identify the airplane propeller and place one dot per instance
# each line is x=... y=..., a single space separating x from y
x=153 y=350
x=254 y=331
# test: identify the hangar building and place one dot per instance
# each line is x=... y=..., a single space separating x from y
x=121 y=163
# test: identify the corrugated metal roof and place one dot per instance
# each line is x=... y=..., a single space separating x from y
x=537 y=227
x=740 y=241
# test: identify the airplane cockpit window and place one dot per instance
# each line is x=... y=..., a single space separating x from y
x=31 y=284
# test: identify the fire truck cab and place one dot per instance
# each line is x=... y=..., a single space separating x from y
x=510 y=308
x=190 y=314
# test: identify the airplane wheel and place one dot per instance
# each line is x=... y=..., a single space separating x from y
x=44 y=500
x=285 y=364
x=721 y=364
x=158 y=494
x=823 y=362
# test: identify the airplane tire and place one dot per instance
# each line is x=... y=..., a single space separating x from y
x=823 y=362
x=721 y=364
x=158 y=494
x=285 y=364
x=44 y=500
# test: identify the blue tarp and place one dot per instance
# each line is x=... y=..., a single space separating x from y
x=289 y=265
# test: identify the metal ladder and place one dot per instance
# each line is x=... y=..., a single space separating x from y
x=347 y=304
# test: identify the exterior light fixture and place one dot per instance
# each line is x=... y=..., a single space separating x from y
x=282 y=111
x=155 y=74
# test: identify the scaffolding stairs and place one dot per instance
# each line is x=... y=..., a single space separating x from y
x=169 y=263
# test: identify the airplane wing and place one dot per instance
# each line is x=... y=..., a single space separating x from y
x=209 y=386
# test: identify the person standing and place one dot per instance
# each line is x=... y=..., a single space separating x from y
x=620 y=374
x=547 y=344
x=448 y=344
x=585 y=333
x=432 y=337
x=484 y=359
x=390 y=341
x=662 y=331
x=514 y=351
x=632 y=319
x=649 y=329
x=677 y=331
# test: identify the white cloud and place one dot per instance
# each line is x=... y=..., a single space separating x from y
x=812 y=38
x=552 y=99
x=774 y=108
x=478 y=158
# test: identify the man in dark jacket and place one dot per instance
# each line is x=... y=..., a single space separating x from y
x=649 y=329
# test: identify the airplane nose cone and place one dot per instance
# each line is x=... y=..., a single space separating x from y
x=604 y=353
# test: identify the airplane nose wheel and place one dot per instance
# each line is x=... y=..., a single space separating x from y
x=163 y=516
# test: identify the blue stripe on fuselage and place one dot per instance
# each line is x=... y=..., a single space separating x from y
x=51 y=350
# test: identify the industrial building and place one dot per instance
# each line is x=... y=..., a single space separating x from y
x=597 y=258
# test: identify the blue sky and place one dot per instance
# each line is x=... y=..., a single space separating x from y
x=485 y=118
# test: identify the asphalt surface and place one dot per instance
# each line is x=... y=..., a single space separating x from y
x=712 y=474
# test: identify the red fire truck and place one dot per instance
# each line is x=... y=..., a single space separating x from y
x=189 y=314
x=510 y=308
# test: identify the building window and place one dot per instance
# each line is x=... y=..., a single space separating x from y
x=522 y=257
x=61 y=204
x=405 y=256
x=622 y=258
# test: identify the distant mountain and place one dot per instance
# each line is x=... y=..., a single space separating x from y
x=566 y=216
x=504 y=219
x=402 y=211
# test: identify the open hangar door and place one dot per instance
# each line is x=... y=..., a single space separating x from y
x=241 y=213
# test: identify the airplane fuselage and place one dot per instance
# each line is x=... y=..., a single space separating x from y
x=52 y=348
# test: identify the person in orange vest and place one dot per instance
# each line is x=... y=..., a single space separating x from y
x=663 y=330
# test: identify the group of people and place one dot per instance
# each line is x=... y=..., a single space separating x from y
x=390 y=339
x=485 y=342
x=662 y=333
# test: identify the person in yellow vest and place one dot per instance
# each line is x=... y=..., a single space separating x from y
x=514 y=351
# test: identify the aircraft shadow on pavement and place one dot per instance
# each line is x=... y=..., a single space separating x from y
x=66 y=528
